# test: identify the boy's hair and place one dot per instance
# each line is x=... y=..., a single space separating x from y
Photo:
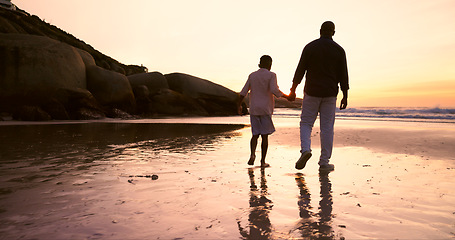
x=265 y=62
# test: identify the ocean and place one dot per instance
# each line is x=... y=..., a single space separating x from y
x=439 y=115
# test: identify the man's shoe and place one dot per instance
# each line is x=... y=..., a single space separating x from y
x=327 y=168
x=300 y=164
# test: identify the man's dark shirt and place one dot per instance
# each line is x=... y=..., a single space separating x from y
x=324 y=62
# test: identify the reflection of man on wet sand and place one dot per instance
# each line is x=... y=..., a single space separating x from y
x=308 y=226
x=260 y=206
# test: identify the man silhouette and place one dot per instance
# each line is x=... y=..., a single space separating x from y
x=324 y=63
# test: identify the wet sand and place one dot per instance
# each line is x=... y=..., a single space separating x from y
x=167 y=179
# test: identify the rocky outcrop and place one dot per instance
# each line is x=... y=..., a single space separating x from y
x=46 y=73
x=42 y=79
x=214 y=98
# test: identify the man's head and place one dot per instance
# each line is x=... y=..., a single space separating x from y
x=327 y=29
x=265 y=62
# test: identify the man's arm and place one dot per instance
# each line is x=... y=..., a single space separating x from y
x=298 y=76
x=344 y=100
x=344 y=82
x=301 y=68
x=292 y=94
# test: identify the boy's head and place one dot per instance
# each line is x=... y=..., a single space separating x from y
x=266 y=62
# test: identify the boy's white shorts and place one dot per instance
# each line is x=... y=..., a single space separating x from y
x=261 y=124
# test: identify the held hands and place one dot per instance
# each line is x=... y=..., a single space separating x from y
x=291 y=97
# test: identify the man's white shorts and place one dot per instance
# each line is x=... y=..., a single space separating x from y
x=261 y=124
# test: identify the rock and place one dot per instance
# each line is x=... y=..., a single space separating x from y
x=84 y=113
x=86 y=58
x=4 y=116
x=80 y=104
x=142 y=96
x=31 y=113
x=115 y=66
x=134 y=69
x=55 y=109
x=36 y=66
x=110 y=88
x=117 y=113
x=68 y=96
x=214 y=98
x=33 y=70
x=169 y=102
x=195 y=87
x=9 y=27
x=141 y=92
x=153 y=80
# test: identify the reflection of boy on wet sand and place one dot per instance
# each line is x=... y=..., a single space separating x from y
x=260 y=206
x=262 y=85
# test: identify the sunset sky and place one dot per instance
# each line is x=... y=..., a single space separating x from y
x=400 y=53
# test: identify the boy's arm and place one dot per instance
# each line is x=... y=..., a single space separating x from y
x=239 y=104
x=242 y=96
x=275 y=89
x=284 y=95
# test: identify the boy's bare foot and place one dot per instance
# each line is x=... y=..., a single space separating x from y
x=264 y=165
x=251 y=161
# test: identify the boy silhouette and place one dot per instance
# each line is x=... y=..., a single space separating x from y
x=262 y=85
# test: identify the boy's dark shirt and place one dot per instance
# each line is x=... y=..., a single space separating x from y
x=324 y=62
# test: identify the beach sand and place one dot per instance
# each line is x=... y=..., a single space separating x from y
x=188 y=179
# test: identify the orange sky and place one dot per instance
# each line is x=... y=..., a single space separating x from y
x=400 y=53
